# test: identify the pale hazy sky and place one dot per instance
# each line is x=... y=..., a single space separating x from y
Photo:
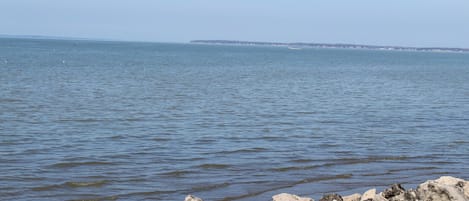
x=381 y=22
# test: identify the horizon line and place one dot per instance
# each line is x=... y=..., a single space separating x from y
x=52 y=37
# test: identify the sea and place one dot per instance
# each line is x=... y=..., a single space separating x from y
x=102 y=120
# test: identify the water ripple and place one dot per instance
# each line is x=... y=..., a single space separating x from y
x=86 y=163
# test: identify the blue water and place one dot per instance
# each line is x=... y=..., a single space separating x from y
x=139 y=121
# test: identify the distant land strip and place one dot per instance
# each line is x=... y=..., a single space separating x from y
x=329 y=45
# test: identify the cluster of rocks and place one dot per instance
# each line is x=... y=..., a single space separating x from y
x=443 y=189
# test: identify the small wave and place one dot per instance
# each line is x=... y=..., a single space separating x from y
x=160 y=139
x=292 y=168
x=87 y=120
x=326 y=145
x=442 y=162
x=132 y=119
x=411 y=169
x=301 y=161
x=71 y=184
x=10 y=142
x=177 y=173
x=74 y=184
x=98 y=198
x=149 y=193
x=214 y=166
x=34 y=151
x=206 y=140
x=76 y=164
x=305 y=112
x=189 y=159
x=46 y=188
x=325 y=178
x=330 y=122
x=444 y=173
x=209 y=187
x=375 y=174
x=269 y=138
x=117 y=137
x=337 y=162
x=460 y=142
x=9 y=100
x=248 y=150
x=372 y=159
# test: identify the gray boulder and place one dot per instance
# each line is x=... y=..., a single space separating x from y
x=410 y=195
x=395 y=192
x=332 y=197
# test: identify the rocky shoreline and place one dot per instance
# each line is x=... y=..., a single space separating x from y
x=445 y=188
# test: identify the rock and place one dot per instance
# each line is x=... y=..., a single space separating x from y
x=458 y=183
x=379 y=197
x=395 y=190
x=331 y=197
x=452 y=181
x=443 y=189
x=397 y=193
x=289 y=197
x=409 y=195
x=465 y=187
x=369 y=195
x=353 y=197
x=192 y=198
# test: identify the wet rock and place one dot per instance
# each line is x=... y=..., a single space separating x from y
x=443 y=189
x=192 y=198
x=331 y=197
x=369 y=195
x=353 y=197
x=289 y=197
x=396 y=190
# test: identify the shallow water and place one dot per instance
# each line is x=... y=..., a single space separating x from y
x=136 y=121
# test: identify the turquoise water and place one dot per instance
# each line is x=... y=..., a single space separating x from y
x=138 y=121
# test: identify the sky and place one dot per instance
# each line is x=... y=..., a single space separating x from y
x=423 y=23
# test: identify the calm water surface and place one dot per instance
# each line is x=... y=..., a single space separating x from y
x=148 y=121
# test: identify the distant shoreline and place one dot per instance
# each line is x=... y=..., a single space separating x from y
x=330 y=45
x=295 y=46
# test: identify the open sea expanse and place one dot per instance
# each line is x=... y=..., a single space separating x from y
x=152 y=121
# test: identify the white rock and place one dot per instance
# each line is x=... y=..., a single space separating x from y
x=353 y=197
x=466 y=189
x=289 y=197
x=447 y=180
x=379 y=197
x=453 y=181
x=192 y=198
x=443 y=189
x=368 y=195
